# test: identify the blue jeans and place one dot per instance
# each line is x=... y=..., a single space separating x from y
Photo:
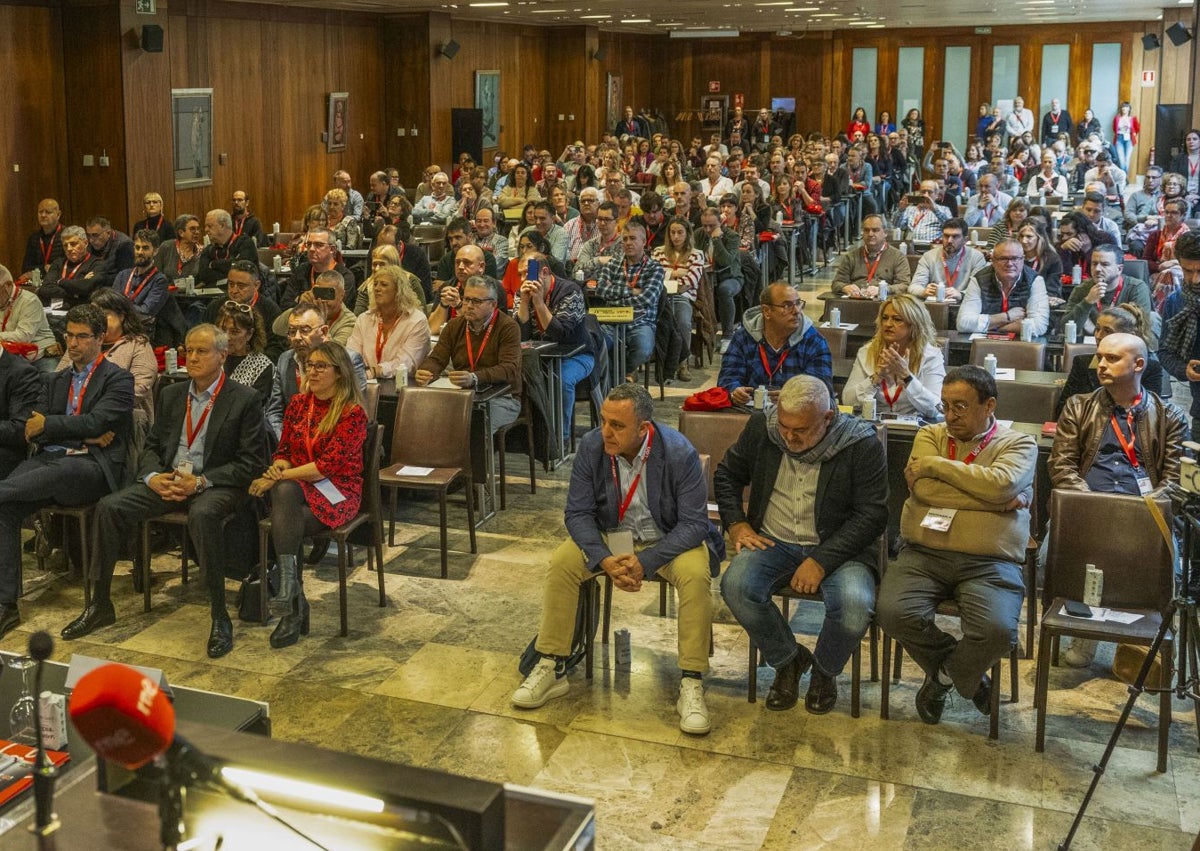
x=574 y=370
x=681 y=308
x=849 y=594
x=1123 y=148
x=725 y=291
x=639 y=348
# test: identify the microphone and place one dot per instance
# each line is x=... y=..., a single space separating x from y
x=41 y=647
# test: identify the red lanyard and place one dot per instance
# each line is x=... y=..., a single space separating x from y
x=892 y=400
x=75 y=404
x=624 y=506
x=1129 y=447
x=1004 y=298
x=1192 y=166
x=194 y=431
x=762 y=355
x=1117 y=293
x=381 y=335
x=871 y=269
x=154 y=225
x=950 y=279
x=237 y=231
x=471 y=356
x=48 y=247
x=11 y=304
x=987 y=438
x=625 y=268
x=310 y=439
x=141 y=285
x=71 y=275
x=179 y=265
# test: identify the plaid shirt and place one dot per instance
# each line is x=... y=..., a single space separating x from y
x=616 y=284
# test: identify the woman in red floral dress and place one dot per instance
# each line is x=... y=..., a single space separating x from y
x=315 y=477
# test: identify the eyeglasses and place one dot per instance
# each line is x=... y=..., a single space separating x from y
x=475 y=302
x=313 y=245
x=958 y=408
x=83 y=338
x=1018 y=259
x=302 y=331
x=319 y=366
x=789 y=305
x=235 y=305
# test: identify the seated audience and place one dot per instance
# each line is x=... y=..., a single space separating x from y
x=44 y=247
x=952 y=263
x=319 y=256
x=1179 y=347
x=223 y=249
x=1108 y=287
x=1002 y=296
x=439 y=206
x=1125 y=318
x=859 y=272
x=20 y=388
x=113 y=248
x=143 y=284
x=346 y=229
x=79 y=275
x=155 y=220
x=1041 y=257
x=683 y=266
x=469 y=262
x=246 y=223
x=637 y=280
x=24 y=331
x=381 y=255
x=722 y=252
x=180 y=257
x=245 y=361
x=392 y=337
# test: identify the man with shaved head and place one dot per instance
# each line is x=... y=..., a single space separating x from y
x=223 y=249
x=469 y=260
x=1121 y=438
x=44 y=246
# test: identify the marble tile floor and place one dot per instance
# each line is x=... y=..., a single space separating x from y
x=426 y=681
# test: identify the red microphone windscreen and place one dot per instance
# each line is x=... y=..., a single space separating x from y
x=122 y=715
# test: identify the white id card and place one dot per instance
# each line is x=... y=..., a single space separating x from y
x=620 y=542
x=184 y=466
x=939 y=519
x=329 y=490
x=1145 y=486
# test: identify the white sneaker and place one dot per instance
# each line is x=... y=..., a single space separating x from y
x=693 y=713
x=1080 y=654
x=540 y=686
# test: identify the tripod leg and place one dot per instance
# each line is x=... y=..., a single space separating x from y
x=1139 y=686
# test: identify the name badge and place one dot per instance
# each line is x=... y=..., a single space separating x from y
x=184 y=466
x=329 y=490
x=1054 y=129
x=939 y=519
x=620 y=542
x=1145 y=486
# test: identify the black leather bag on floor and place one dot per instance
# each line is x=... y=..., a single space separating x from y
x=249 y=596
x=578 y=641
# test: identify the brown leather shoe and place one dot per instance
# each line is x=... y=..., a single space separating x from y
x=785 y=691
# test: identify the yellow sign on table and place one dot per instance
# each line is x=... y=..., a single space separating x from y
x=612 y=314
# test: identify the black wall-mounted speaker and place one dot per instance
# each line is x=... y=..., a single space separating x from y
x=1179 y=34
x=1150 y=42
x=450 y=49
x=152 y=38
x=599 y=54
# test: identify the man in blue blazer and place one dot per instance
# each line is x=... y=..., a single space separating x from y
x=80 y=428
x=207 y=445
x=636 y=510
x=20 y=388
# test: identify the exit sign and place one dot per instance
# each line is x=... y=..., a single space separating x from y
x=145 y=7
x=983 y=30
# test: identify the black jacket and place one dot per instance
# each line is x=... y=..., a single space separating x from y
x=20 y=387
x=107 y=406
x=852 y=494
x=215 y=260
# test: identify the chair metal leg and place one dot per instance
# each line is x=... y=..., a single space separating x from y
x=662 y=599
x=377 y=546
x=1164 y=708
x=886 y=682
x=392 y=517
x=607 y=610
x=471 y=514
x=994 y=715
x=752 y=684
x=874 y=638
x=144 y=567
x=856 y=681
x=1041 y=690
x=503 y=473
x=1014 y=675
x=442 y=530
x=532 y=453
x=86 y=568
x=264 y=587
x=589 y=637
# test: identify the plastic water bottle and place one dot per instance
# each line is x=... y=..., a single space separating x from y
x=277 y=264
x=1076 y=275
x=883 y=290
x=941 y=291
x=1026 y=331
x=868 y=408
x=623 y=654
x=171 y=357
x=904 y=248
x=1093 y=585
x=835 y=317
x=275 y=232
x=760 y=397
x=989 y=363
x=1069 y=331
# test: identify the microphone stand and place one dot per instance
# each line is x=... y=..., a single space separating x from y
x=44 y=772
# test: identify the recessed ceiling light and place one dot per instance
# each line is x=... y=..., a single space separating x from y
x=776 y=3
x=593 y=17
x=803 y=9
x=546 y=11
x=826 y=15
x=635 y=20
x=488 y=4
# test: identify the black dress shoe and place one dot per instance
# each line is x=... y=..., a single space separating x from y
x=10 y=618
x=220 y=639
x=98 y=614
x=822 y=692
x=983 y=696
x=931 y=700
x=785 y=691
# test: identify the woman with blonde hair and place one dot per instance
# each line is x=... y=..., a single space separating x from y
x=386 y=255
x=392 y=337
x=901 y=368
x=315 y=477
x=346 y=229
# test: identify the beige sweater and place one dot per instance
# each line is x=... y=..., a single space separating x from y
x=980 y=491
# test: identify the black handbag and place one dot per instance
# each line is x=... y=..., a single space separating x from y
x=249 y=596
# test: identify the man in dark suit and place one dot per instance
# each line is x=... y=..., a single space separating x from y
x=20 y=387
x=81 y=426
x=224 y=247
x=206 y=446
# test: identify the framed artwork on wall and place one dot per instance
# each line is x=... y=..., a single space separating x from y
x=487 y=100
x=191 y=122
x=335 y=129
x=712 y=113
x=615 y=99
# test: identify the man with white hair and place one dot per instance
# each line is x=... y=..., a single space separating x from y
x=224 y=247
x=439 y=206
x=1020 y=120
x=583 y=227
x=818 y=504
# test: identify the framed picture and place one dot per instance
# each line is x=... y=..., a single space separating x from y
x=335 y=124
x=191 y=122
x=487 y=100
x=615 y=100
x=712 y=113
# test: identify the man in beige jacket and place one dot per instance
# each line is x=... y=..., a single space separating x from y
x=965 y=525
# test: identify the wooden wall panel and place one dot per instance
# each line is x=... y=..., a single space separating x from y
x=406 y=95
x=31 y=135
x=798 y=70
x=147 y=113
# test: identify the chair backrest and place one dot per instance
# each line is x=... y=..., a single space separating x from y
x=285 y=237
x=1139 y=269
x=943 y=343
x=1026 y=403
x=1013 y=354
x=836 y=339
x=913 y=261
x=433 y=427
x=1137 y=564
x=939 y=312
x=429 y=233
x=1074 y=350
x=372 y=446
x=860 y=311
x=712 y=433
x=371 y=400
